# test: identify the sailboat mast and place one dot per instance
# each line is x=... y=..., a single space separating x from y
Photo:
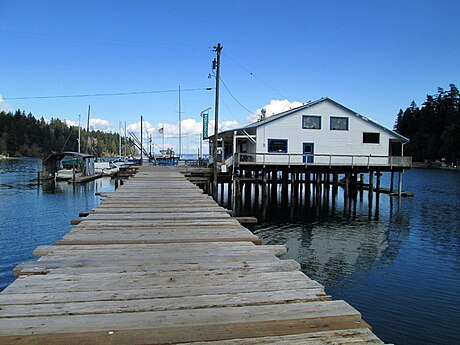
x=126 y=141
x=87 y=129
x=119 y=139
x=79 y=136
x=141 y=141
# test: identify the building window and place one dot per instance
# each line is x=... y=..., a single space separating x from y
x=244 y=147
x=311 y=122
x=339 y=123
x=371 y=138
x=277 y=145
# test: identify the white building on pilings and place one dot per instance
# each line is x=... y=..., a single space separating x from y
x=319 y=137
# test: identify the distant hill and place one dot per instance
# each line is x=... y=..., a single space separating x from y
x=433 y=129
x=23 y=135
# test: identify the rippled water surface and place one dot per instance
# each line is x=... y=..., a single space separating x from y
x=32 y=215
x=398 y=263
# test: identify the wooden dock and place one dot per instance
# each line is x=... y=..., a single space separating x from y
x=159 y=262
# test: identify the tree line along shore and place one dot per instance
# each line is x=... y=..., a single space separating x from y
x=433 y=130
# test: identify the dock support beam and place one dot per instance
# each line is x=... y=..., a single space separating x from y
x=392 y=182
x=400 y=183
x=377 y=187
x=371 y=184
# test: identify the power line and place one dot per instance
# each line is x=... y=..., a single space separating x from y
x=252 y=74
x=109 y=94
x=237 y=101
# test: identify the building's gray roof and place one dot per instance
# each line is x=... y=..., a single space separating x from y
x=306 y=106
x=68 y=153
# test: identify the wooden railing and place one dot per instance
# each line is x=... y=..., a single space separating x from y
x=331 y=160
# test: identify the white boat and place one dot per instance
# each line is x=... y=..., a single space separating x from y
x=67 y=174
x=106 y=168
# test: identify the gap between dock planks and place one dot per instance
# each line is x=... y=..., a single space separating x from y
x=160 y=262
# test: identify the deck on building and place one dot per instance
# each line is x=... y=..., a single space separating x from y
x=159 y=262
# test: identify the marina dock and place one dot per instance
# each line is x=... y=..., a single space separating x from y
x=159 y=262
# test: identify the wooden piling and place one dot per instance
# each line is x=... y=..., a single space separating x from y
x=392 y=175
x=371 y=184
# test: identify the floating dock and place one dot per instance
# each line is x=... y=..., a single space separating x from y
x=159 y=262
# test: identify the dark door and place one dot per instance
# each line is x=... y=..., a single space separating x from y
x=308 y=149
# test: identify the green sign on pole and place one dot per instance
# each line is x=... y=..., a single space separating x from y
x=205 y=125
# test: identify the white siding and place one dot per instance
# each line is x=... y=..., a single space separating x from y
x=326 y=141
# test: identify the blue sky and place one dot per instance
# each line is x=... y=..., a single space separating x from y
x=374 y=57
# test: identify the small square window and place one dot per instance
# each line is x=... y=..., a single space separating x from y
x=371 y=138
x=339 y=123
x=311 y=122
x=277 y=145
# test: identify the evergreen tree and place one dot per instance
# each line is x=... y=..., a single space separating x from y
x=23 y=135
x=434 y=129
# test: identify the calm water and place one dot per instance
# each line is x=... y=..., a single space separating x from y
x=397 y=263
x=31 y=216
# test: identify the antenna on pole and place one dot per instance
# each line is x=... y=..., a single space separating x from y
x=216 y=66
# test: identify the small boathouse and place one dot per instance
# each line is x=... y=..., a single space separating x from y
x=80 y=163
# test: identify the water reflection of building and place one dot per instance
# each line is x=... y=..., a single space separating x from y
x=332 y=244
x=329 y=252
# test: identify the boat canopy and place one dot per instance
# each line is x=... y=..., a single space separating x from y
x=51 y=164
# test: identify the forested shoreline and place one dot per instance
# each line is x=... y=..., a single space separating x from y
x=433 y=129
x=23 y=135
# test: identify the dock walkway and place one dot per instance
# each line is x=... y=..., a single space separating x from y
x=159 y=262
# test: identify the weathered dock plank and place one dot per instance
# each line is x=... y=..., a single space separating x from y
x=159 y=262
x=360 y=336
x=32 y=268
x=172 y=326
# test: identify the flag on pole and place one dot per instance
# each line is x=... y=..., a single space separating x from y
x=161 y=130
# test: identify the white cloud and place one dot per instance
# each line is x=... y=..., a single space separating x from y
x=274 y=107
x=4 y=106
x=230 y=124
x=95 y=124
x=136 y=127
x=71 y=123
x=99 y=124
x=191 y=126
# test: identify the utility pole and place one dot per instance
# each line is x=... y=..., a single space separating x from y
x=216 y=65
x=180 y=127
